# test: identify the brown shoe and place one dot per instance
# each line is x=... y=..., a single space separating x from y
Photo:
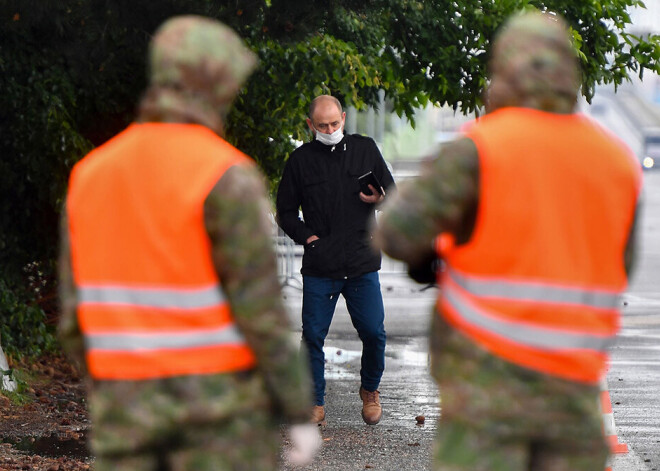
x=371 y=410
x=318 y=415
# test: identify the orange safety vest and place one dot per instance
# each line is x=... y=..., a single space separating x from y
x=150 y=304
x=539 y=283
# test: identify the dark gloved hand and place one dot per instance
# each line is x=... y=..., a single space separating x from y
x=425 y=272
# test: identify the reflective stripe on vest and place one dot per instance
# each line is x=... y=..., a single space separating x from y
x=135 y=342
x=190 y=305
x=115 y=353
x=537 y=292
x=526 y=333
x=159 y=298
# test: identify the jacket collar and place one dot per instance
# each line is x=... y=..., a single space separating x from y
x=340 y=147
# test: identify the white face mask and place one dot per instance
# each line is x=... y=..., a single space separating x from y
x=330 y=139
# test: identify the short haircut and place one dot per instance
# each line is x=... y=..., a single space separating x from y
x=315 y=101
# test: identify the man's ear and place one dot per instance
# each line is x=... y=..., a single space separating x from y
x=310 y=125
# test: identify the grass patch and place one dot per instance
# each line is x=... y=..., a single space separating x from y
x=21 y=395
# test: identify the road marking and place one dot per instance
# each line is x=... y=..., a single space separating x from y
x=642 y=320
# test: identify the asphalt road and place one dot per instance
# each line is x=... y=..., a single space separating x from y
x=407 y=391
x=634 y=376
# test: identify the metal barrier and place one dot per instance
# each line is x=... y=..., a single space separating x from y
x=289 y=259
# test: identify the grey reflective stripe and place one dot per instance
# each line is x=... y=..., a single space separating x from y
x=534 y=336
x=135 y=342
x=536 y=292
x=207 y=296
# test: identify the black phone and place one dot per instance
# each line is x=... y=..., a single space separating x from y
x=369 y=179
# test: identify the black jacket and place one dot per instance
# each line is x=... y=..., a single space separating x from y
x=323 y=181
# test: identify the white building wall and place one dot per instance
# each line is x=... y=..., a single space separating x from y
x=645 y=20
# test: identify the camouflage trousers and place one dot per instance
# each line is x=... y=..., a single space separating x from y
x=496 y=416
x=217 y=422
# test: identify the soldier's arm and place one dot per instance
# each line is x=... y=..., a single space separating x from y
x=442 y=199
x=630 y=254
x=68 y=329
x=236 y=216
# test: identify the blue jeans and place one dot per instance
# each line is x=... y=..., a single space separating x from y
x=365 y=306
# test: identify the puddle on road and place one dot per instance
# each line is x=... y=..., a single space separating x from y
x=73 y=445
x=344 y=364
x=337 y=363
x=410 y=358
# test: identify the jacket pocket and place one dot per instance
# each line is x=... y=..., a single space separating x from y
x=322 y=256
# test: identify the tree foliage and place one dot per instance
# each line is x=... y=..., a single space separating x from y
x=72 y=71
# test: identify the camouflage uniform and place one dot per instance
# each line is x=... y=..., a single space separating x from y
x=497 y=415
x=215 y=422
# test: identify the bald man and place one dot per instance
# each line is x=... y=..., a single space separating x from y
x=321 y=177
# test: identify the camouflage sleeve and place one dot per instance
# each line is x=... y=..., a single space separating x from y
x=236 y=216
x=68 y=330
x=442 y=199
x=630 y=254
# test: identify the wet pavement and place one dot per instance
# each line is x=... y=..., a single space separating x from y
x=407 y=390
x=634 y=376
